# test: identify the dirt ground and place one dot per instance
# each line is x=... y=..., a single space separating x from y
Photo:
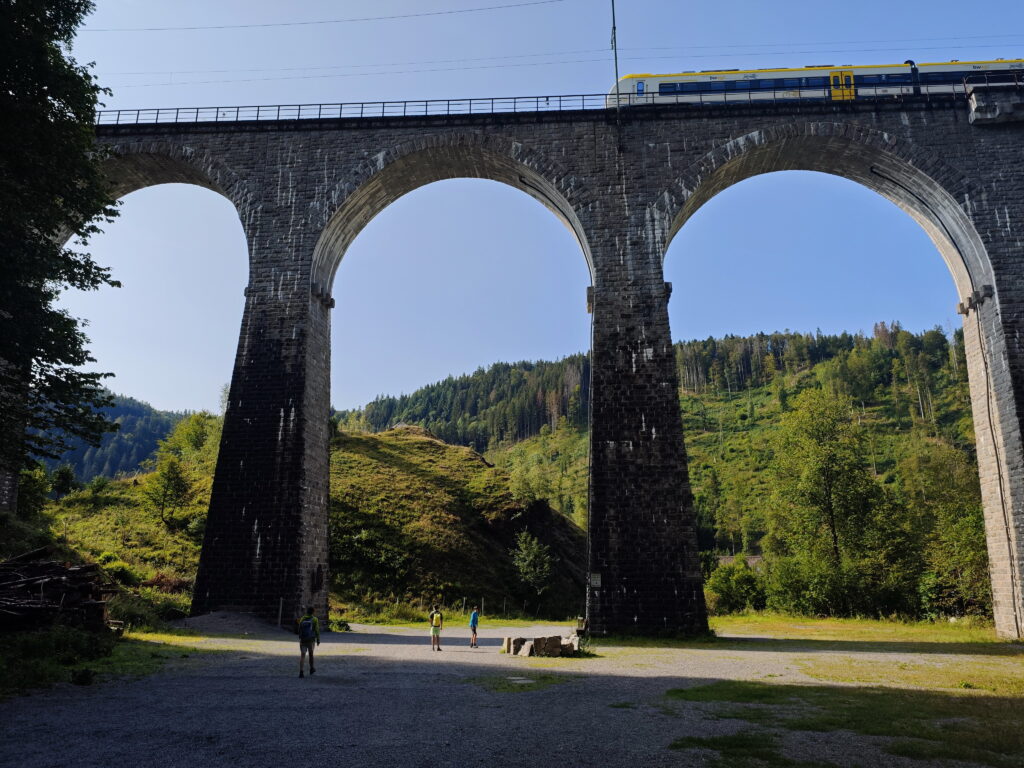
x=381 y=697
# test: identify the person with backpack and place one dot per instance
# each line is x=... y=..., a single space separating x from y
x=474 y=619
x=309 y=635
x=436 y=624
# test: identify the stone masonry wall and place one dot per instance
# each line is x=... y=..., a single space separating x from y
x=305 y=189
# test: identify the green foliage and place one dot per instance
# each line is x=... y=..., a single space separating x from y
x=734 y=587
x=533 y=563
x=550 y=467
x=51 y=188
x=33 y=490
x=122 y=573
x=839 y=544
x=168 y=489
x=140 y=429
x=148 y=608
x=64 y=480
x=823 y=491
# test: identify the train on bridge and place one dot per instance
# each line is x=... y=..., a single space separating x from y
x=824 y=82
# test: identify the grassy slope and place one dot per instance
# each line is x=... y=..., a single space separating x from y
x=410 y=516
x=414 y=516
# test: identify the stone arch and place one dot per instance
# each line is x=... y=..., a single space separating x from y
x=134 y=165
x=940 y=199
x=918 y=182
x=374 y=184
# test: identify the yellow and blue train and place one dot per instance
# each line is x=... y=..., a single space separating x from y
x=824 y=82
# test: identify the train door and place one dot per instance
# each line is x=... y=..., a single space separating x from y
x=842 y=85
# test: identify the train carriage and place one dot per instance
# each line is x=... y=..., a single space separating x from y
x=821 y=82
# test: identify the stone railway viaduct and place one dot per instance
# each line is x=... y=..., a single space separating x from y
x=304 y=189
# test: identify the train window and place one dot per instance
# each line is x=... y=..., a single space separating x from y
x=816 y=82
x=664 y=88
x=639 y=87
x=741 y=85
x=717 y=85
x=870 y=79
x=766 y=84
x=791 y=82
x=942 y=77
x=898 y=78
x=690 y=87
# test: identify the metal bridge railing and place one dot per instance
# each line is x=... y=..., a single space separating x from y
x=422 y=108
x=515 y=104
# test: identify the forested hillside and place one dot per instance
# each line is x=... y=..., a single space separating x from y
x=505 y=403
x=900 y=438
x=140 y=428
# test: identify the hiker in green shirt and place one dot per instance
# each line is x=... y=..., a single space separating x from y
x=436 y=624
x=309 y=635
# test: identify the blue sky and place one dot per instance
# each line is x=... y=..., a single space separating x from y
x=464 y=273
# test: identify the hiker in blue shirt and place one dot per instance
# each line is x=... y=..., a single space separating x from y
x=309 y=635
x=474 y=619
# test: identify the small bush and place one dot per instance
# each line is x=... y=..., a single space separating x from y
x=106 y=557
x=122 y=573
x=375 y=611
x=196 y=527
x=735 y=587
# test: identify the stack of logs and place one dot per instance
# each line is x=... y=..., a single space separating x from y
x=542 y=646
x=34 y=592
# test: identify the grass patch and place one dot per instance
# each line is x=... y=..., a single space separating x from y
x=519 y=683
x=40 y=659
x=135 y=657
x=746 y=748
x=955 y=725
x=1001 y=675
x=776 y=625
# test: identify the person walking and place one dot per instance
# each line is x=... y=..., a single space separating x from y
x=474 y=619
x=436 y=625
x=309 y=636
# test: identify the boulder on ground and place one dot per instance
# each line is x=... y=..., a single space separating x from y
x=526 y=649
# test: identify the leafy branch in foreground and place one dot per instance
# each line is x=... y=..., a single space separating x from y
x=52 y=189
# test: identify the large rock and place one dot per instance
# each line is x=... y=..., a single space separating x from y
x=526 y=649
x=548 y=646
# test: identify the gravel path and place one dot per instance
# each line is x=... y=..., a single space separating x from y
x=380 y=697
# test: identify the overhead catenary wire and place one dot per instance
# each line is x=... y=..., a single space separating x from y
x=468 y=69
x=320 y=22
x=314 y=67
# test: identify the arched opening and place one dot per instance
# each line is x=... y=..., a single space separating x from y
x=894 y=173
x=169 y=337
x=461 y=302
x=169 y=333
